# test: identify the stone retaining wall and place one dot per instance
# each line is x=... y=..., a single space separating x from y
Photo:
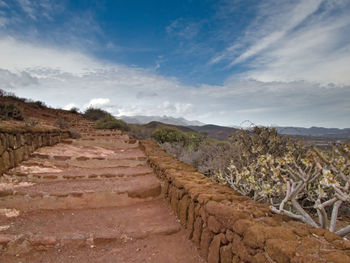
x=17 y=144
x=227 y=227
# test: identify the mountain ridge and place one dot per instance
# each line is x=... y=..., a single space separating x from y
x=222 y=132
x=141 y=119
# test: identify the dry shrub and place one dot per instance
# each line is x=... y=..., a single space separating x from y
x=10 y=111
x=74 y=134
x=62 y=124
x=209 y=158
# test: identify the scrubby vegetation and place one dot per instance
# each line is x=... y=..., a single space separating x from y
x=105 y=120
x=74 y=110
x=74 y=133
x=111 y=123
x=93 y=114
x=12 y=96
x=10 y=111
x=302 y=182
x=62 y=124
x=168 y=134
x=299 y=181
x=207 y=155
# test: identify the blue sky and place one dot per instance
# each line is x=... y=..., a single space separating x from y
x=271 y=62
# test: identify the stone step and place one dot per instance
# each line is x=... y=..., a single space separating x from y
x=172 y=248
x=38 y=172
x=54 y=157
x=47 y=233
x=80 y=194
x=84 y=162
x=108 y=143
x=77 y=151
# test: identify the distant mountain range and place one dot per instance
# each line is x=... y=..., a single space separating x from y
x=164 y=119
x=332 y=133
x=222 y=132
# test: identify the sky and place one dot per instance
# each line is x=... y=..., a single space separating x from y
x=224 y=62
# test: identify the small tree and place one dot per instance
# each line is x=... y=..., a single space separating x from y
x=168 y=134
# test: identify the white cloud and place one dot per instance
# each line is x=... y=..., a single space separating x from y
x=295 y=40
x=125 y=90
x=39 y=8
x=11 y=80
x=28 y=8
x=290 y=17
x=183 y=28
x=281 y=86
x=16 y=55
x=98 y=103
x=3 y=21
x=175 y=109
x=70 y=106
x=3 y=4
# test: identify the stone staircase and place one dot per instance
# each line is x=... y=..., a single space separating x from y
x=93 y=199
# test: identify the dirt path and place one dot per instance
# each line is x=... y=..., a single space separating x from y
x=89 y=200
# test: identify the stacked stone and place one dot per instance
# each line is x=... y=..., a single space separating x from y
x=17 y=145
x=227 y=227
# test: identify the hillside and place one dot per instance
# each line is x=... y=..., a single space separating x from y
x=139 y=119
x=215 y=131
x=222 y=132
x=36 y=112
x=331 y=133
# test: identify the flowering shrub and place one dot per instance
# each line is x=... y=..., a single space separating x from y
x=297 y=181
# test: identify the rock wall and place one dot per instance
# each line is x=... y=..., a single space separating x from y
x=17 y=143
x=227 y=227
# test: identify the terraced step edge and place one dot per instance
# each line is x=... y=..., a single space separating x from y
x=22 y=244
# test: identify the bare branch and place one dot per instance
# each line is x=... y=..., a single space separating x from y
x=344 y=231
x=334 y=215
x=287 y=213
x=286 y=198
x=306 y=217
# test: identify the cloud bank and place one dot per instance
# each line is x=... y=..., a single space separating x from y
x=296 y=57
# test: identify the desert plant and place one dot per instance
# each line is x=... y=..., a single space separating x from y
x=297 y=181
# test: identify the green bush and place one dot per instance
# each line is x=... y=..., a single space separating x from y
x=93 y=114
x=109 y=122
x=10 y=111
x=194 y=139
x=168 y=134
